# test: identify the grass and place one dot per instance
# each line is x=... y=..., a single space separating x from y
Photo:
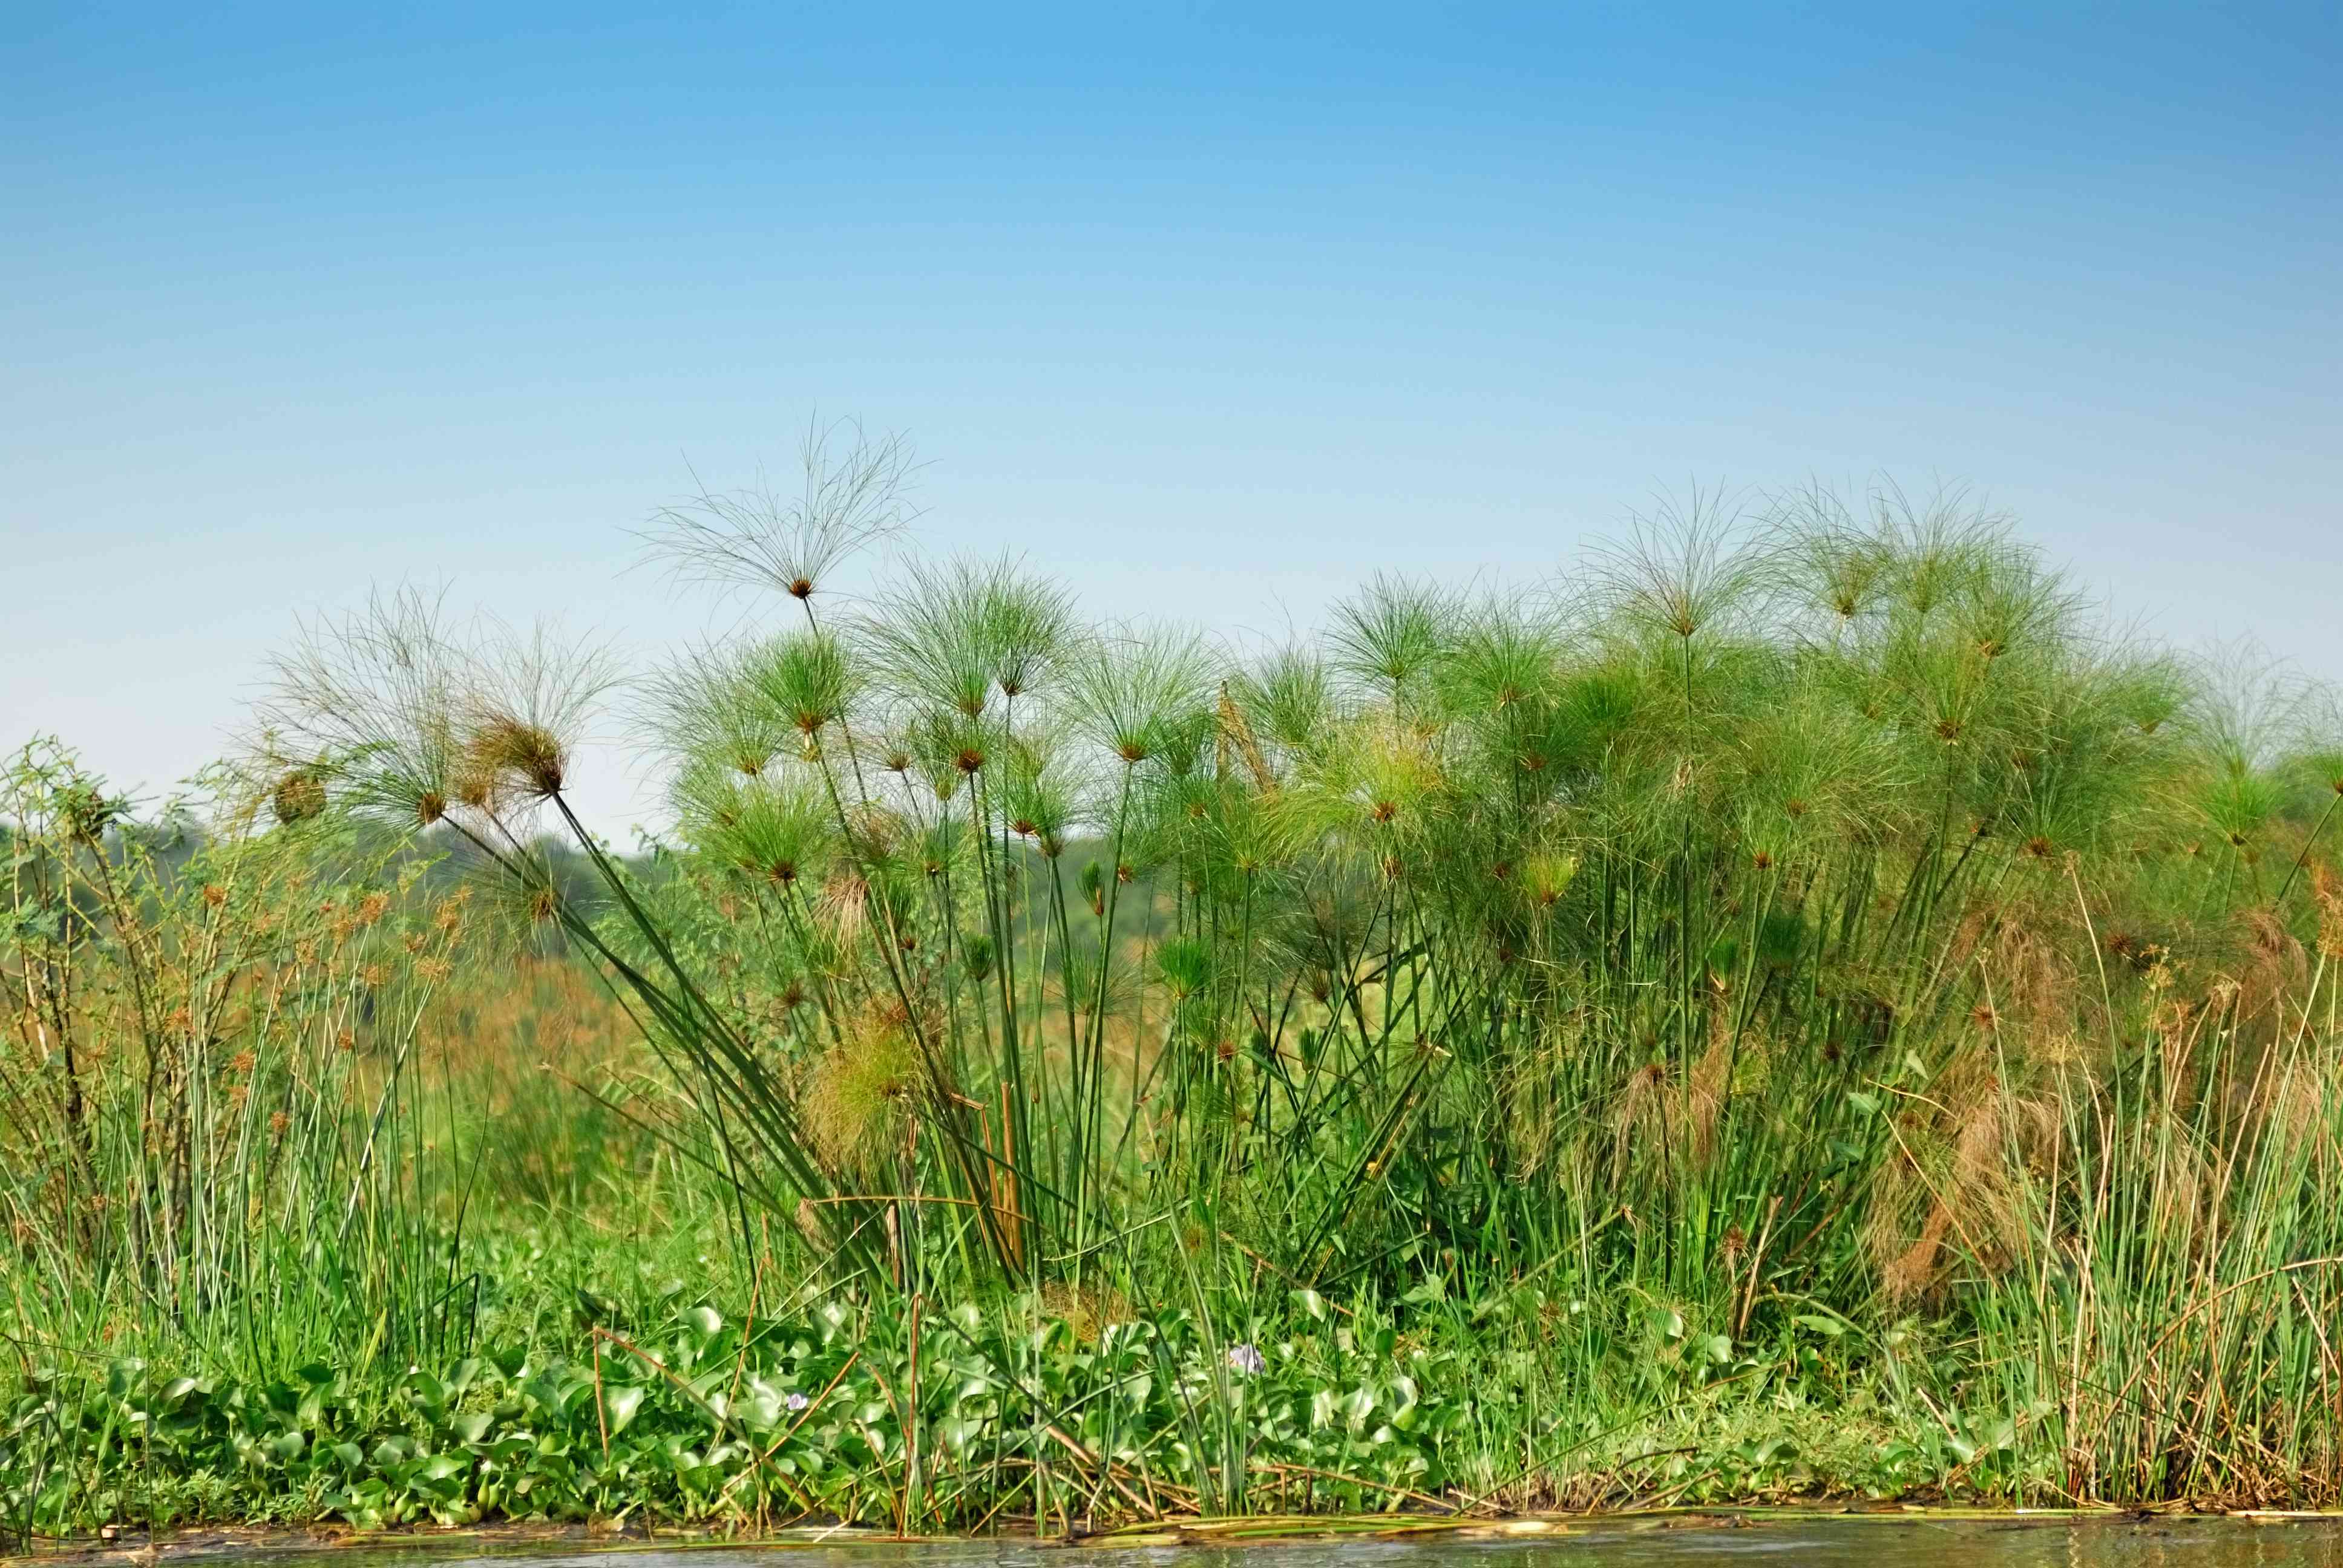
x=1794 y=1007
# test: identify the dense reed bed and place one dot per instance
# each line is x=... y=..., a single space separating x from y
x=1796 y=1004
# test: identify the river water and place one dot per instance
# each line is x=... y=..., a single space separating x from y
x=1819 y=1543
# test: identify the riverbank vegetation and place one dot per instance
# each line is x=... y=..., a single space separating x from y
x=1795 y=1004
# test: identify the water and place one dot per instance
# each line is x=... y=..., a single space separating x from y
x=1816 y=1544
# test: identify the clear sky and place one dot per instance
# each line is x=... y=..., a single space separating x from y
x=1210 y=310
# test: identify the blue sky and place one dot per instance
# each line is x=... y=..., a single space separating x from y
x=1210 y=310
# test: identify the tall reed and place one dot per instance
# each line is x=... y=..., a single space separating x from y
x=209 y=1113
x=1785 y=909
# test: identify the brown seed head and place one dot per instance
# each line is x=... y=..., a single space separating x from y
x=476 y=785
x=529 y=753
x=299 y=795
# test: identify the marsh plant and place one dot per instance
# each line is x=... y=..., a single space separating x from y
x=1804 y=918
x=208 y=1109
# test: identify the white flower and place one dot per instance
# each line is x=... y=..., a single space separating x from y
x=796 y=1401
x=1246 y=1359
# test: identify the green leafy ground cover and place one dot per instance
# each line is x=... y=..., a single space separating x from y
x=692 y=1417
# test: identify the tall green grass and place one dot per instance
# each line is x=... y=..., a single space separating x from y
x=210 y=1114
x=1802 y=950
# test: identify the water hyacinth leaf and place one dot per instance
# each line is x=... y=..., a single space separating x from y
x=620 y=1402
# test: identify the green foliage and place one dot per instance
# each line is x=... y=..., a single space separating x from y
x=691 y=1415
x=1803 y=970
